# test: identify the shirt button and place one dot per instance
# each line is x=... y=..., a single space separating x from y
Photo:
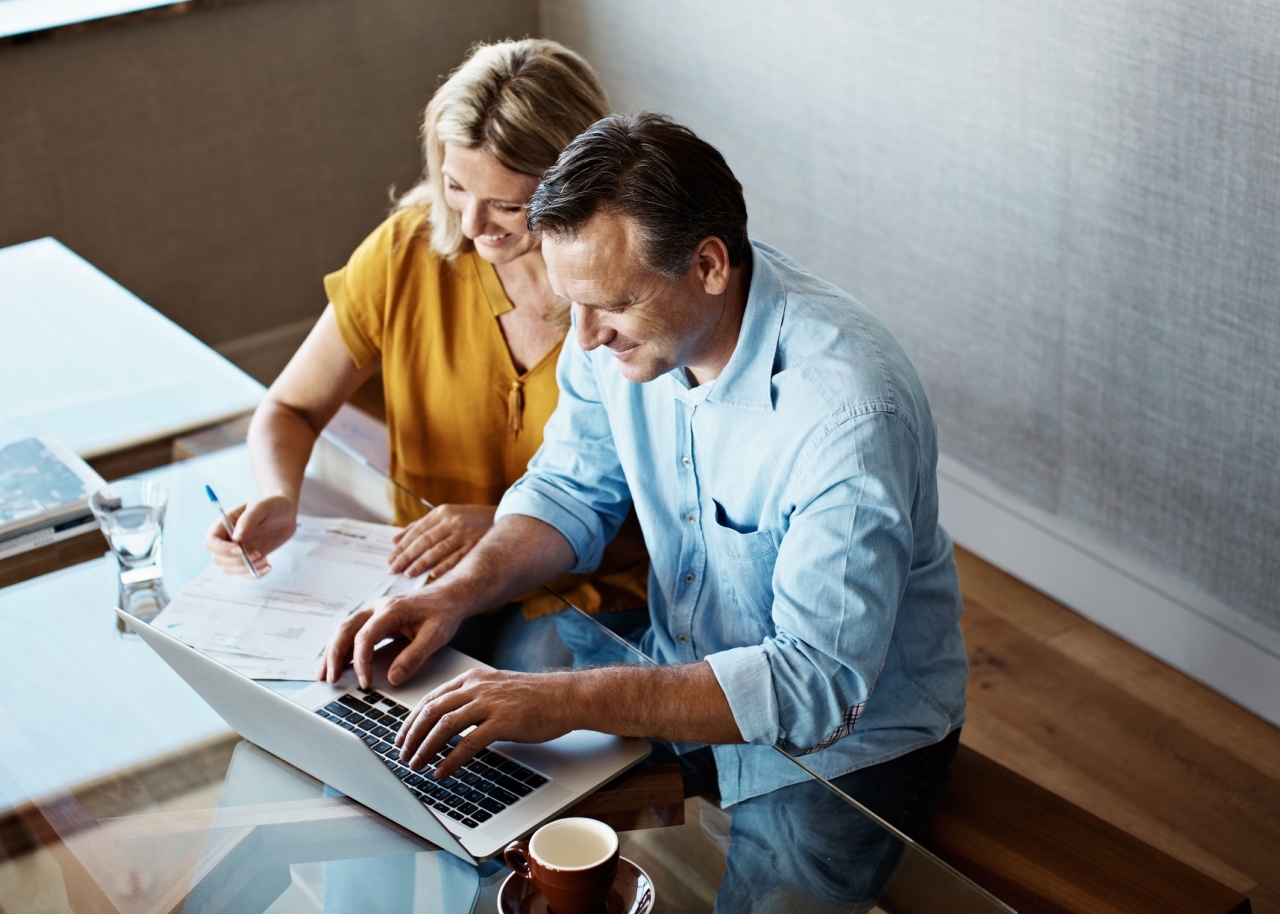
x=682 y=638
x=687 y=462
x=688 y=578
x=690 y=518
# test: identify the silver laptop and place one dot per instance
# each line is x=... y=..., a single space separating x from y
x=343 y=736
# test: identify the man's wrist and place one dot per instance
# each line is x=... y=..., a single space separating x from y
x=455 y=594
x=579 y=706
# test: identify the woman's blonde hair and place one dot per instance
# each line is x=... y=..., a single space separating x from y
x=520 y=101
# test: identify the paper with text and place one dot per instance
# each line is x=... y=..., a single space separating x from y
x=277 y=627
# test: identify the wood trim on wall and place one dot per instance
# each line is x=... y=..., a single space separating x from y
x=263 y=355
x=1217 y=645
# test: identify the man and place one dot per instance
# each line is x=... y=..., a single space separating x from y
x=781 y=457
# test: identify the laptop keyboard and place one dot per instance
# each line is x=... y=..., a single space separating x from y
x=475 y=793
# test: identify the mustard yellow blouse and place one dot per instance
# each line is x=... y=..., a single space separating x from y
x=462 y=422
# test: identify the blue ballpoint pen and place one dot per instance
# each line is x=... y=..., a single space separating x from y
x=226 y=522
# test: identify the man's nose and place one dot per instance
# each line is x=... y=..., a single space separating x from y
x=591 y=332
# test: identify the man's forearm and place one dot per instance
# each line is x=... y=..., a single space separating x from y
x=681 y=704
x=519 y=554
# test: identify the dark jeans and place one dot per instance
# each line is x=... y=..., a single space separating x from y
x=800 y=848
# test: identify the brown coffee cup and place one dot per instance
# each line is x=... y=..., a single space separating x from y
x=571 y=861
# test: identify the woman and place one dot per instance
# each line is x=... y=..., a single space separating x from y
x=450 y=298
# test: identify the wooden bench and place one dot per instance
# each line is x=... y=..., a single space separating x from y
x=1041 y=854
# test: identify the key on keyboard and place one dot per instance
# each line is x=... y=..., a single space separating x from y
x=479 y=790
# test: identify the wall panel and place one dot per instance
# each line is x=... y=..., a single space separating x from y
x=219 y=163
x=1068 y=212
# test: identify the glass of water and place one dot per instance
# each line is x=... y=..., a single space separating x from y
x=131 y=515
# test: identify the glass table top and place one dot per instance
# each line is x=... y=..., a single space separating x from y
x=122 y=791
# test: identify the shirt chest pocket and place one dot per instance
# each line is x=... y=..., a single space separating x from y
x=743 y=565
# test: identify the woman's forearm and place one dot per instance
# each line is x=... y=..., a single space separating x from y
x=312 y=388
x=280 y=442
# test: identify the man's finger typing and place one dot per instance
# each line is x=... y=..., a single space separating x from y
x=500 y=705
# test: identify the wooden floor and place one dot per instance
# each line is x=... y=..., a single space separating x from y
x=1079 y=711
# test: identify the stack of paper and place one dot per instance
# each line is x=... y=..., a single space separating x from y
x=277 y=627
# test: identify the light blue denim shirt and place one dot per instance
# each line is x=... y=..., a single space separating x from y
x=790 y=510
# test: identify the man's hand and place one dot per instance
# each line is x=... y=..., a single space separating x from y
x=519 y=707
x=440 y=540
x=682 y=704
x=261 y=526
x=422 y=617
x=516 y=555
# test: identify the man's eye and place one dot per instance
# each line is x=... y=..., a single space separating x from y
x=510 y=209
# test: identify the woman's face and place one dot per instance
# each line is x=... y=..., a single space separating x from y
x=491 y=201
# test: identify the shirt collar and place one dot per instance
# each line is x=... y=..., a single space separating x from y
x=494 y=295
x=747 y=379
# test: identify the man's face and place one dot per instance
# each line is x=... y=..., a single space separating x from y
x=649 y=322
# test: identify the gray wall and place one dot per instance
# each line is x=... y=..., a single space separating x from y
x=1068 y=212
x=218 y=163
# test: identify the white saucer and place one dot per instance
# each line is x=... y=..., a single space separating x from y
x=632 y=893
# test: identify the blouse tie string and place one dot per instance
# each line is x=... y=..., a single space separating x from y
x=515 y=406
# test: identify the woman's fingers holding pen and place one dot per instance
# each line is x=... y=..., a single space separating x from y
x=226 y=553
x=260 y=527
x=266 y=524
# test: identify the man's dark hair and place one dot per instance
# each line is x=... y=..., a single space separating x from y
x=677 y=189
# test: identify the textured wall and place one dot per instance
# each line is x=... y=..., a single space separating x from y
x=218 y=163
x=1068 y=212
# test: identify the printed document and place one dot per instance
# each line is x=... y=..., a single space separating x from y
x=277 y=627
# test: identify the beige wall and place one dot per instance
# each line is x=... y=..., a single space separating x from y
x=1069 y=213
x=218 y=163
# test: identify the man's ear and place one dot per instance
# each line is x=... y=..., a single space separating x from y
x=711 y=261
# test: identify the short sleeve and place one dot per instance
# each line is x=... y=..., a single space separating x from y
x=360 y=292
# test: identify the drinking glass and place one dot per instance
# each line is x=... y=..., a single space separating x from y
x=131 y=515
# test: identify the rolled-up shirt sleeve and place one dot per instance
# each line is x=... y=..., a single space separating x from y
x=575 y=482
x=841 y=571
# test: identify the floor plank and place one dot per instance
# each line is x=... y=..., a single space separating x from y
x=1077 y=710
x=1042 y=854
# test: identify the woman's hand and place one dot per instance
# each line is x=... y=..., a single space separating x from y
x=261 y=526
x=439 y=541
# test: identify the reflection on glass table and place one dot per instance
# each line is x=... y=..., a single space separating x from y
x=124 y=792
x=130 y=514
